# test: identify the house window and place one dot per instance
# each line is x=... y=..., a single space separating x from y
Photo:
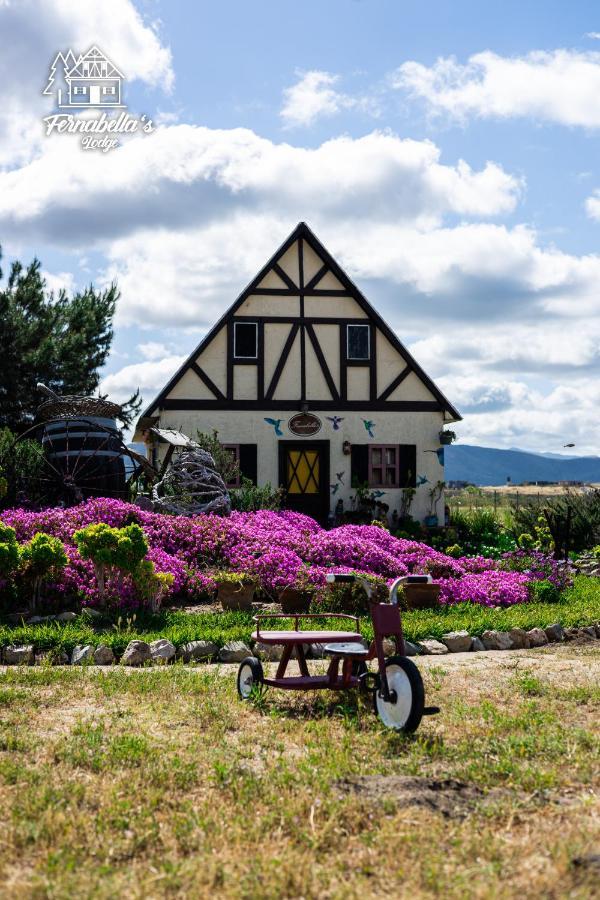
x=358 y=341
x=109 y=90
x=245 y=340
x=234 y=449
x=80 y=90
x=383 y=465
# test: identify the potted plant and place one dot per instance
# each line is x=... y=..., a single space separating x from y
x=421 y=593
x=235 y=590
x=296 y=597
x=431 y=521
x=447 y=436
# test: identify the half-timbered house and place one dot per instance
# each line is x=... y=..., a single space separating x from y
x=311 y=389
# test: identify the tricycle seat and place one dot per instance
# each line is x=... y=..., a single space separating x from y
x=305 y=637
x=347 y=649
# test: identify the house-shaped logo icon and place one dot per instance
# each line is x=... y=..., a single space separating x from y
x=90 y=80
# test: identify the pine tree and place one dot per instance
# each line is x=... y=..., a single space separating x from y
x=60 y=341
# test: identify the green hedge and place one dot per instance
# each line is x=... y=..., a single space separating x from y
x=580 y=605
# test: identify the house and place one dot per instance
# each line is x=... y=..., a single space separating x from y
x=310 y=389
x=94 y=81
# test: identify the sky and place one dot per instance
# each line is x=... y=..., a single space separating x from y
x=445 y=153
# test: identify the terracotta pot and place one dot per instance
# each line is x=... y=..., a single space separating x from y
x=422 y=596
x=236 y=596
x=295 y=601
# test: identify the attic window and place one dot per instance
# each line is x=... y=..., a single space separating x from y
x=358 y=341
x=245 y=340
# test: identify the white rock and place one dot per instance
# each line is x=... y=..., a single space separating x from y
x=162 y=649
x=136 y=653
x=234 y=651
x=457 y=641
x=433 y=647
x=195 y=650
x=103 y=656
x=537 y=637
x=51 y=657
x=19 y=656
x=496 y=640
x=90 y=613
x=272 y=652
x=519 y=638
x=477 y=644
x=555 y=632
x=66 y=616
x=81 y=654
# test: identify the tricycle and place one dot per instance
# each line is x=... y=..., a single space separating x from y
x=396 y=685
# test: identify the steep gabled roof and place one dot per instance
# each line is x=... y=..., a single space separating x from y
x=94 y=55
x=303 y=231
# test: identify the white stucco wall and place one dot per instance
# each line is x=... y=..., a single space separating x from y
x=239 y=427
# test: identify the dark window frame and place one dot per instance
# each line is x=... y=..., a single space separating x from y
x=236 y=355
x=358 y=359
x=382 y=483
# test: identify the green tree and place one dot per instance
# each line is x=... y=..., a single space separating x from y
x=62 y=341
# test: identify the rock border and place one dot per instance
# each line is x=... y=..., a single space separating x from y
x=162 y=651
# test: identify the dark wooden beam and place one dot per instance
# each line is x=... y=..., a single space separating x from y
x=315 y=405
x=282 y=361
x=322 y=362
x=207 y=381
x=394 y=384
x=284 y=277
x=316 y=278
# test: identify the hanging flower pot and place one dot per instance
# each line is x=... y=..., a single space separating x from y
x=447 y=437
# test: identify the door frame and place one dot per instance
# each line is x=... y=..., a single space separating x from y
x=324 y=463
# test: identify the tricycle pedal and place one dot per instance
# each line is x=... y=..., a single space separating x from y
x=431 y=710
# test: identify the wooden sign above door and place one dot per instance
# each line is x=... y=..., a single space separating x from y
x=304 y=424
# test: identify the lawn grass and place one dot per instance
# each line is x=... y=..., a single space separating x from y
x=580 y=605
x=160 y=783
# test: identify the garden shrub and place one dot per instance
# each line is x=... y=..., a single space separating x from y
x=42 y=559
x=114 y=552
x=582 y=511
x=544 y=591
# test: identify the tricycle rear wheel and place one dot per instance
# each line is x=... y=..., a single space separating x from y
x=250 y=674
x=404 y=710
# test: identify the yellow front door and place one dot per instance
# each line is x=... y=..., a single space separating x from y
x=304 y=474
x=303 y=471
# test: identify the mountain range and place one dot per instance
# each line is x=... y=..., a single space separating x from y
x=489 y=466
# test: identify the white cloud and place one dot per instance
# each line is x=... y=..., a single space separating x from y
x=560 y=86
x=593 y=35
x=181 y=176
x=314 y=97
x=59 y=281
x=148 y=376
x=31 y=34
x=153 y=350
x=592 y=206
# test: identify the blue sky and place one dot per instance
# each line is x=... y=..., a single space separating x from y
x=447 y=154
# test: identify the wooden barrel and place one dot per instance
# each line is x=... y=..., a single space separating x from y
x=86 y=456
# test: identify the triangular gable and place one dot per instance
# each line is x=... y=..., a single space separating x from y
x=283 y=266
x=95 y=56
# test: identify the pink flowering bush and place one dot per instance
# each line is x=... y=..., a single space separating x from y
x=280 y=548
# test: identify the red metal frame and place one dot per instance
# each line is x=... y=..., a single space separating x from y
x=386 y=623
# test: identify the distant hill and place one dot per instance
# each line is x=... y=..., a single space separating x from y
x=488 y=466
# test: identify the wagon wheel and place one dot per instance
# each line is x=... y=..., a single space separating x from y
x=64 y=461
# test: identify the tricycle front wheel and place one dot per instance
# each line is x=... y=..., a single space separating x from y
x=250 y=673
x=404 y=710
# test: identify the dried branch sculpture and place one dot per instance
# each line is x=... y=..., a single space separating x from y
x=191 y=485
